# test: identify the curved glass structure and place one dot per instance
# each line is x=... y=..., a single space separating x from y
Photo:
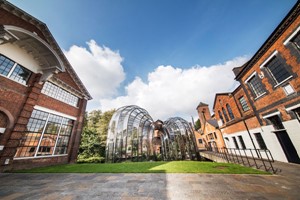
x=133 y=135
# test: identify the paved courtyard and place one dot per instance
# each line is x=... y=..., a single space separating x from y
x=284 y=185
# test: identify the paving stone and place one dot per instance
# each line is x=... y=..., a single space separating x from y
x=284 y=185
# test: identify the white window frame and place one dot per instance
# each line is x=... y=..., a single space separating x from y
x=291 y=36
x=266 y=61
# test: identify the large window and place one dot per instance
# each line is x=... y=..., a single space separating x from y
x=14 y=71
x=277 y=70
x=221 y=116
x=231 y=115
x=225 y=115
x=242 y=142
x=235 y=143
x=260 y=141
x=60 y=94
x=46 y=135
x=256 y=86
x=244 y=104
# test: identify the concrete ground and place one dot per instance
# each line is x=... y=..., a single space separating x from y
x=284 y=185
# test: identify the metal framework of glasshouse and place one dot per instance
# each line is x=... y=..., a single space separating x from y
x=133 y=135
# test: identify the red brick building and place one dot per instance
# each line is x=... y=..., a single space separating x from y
x=42 y=100
x=209 y=134
x=269 y=113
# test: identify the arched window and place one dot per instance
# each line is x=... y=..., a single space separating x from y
x=229 y=111
x=225 y=115
x=221 y=116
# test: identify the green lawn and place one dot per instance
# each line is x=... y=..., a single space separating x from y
x=149 y=167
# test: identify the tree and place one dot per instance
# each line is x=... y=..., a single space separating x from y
x=94 y=135
x=197 y=125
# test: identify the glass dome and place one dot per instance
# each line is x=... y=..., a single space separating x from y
x=133 y=135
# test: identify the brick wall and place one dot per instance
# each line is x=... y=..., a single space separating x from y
x=276 y=97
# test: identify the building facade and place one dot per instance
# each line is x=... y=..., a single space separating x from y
x=209 y=135
x=42 y=100
x=266 y=105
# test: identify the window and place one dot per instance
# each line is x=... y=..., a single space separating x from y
x=14 y=71
x=200 y=141
x=235 y=143
x=60 y=94
x=256 y=86
x=260 y=141
x=296 y=41
x=221 y=116
x=215 y=135
x=230 y=111
x=277 y=70
x=46 y=135
x=242 y=142
x=244 y=104
x=293 y=43
x=225 y=115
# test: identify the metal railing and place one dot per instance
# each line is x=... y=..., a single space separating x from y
x=259 y=158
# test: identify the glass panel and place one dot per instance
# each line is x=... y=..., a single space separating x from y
x=242 y=142
x=229 y=111
x=47 y=145
x=59 y=94
x=256 y=86
x=28 y=145
x=5 y=65
x=20 y=74
x=244 y=103
x=225 y=114
x=296 y=40
x=62 y=145
x=35 y=127
x=277 y=69
x=260 y=141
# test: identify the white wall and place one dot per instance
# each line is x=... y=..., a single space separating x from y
x=269 y=137
x=20 y=56
x=293 y=130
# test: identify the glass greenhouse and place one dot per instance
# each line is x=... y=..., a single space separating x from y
x=133 y=135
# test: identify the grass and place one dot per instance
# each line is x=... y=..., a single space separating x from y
x=148 y=167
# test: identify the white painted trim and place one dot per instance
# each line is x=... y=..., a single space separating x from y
x=14 y=28
x=260 y=95
x=268 y=59
x=253 y=74
x=54 y=112
x=288 y=78
x=291 y=36
x=271 y=115
x=292 y=107
x=24 y=158
x=2 y=130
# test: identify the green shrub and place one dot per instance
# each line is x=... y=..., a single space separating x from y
x=94 y=159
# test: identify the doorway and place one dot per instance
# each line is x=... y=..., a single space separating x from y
x=287 y=146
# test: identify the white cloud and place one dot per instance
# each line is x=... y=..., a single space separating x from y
x=171 y=91
x=99 y=68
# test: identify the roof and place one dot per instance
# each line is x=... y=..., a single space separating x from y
x=49 y=39
x=220 y=94
x=201 y=104
x=237 y=70
x=213 y=122
x=284 y=24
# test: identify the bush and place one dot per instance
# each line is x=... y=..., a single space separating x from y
x=94 y=159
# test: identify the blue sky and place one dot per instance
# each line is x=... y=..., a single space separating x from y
x=148 y=41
